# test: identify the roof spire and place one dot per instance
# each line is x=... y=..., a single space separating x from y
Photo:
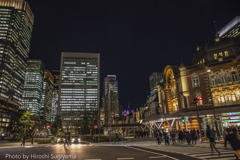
x=215 y=26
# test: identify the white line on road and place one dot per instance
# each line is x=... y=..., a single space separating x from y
x=158 y=157
x=125 y=158
x=155 y=153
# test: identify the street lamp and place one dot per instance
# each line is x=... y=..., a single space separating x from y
x=209 y=71
x=196 y=102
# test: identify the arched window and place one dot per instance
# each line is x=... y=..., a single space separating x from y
x=234 y=76
x=224 y=78
x=214 y=80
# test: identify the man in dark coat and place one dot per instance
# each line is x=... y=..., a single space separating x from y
x=232 y=139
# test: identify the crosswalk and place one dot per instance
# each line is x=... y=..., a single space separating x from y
x=225 y=154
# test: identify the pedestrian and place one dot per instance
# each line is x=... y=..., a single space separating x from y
x=173 y=137
x=188 y=138
x=116 y=139
x=69 y=139
x=33 y=137
x=65 y=139
x=180 y=136
x=211 y=136
x=193 y=135
x=231 y=137
x=23 y=140
x=166 y=138
x=159 y=139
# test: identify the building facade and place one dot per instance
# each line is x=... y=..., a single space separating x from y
x=56 y=75
x=16 y=21
x=47 y=97
x=232 y=29
x=79 y=87
x=110 y=98
x=33 y=87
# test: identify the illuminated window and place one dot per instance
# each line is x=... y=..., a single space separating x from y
x=224 y=78
x=214 y=80
x=220 y=54
x=226 y=53
x=234 y=76
x=200 y=62
x=203 y=60
x=215 y=56
x=195 y=81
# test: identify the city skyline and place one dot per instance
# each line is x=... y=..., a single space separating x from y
x=132 y=37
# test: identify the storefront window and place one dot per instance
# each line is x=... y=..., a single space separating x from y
x=233 y=97
x=222 y=99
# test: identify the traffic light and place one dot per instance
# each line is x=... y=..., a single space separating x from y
x=196 y=100
x=183 y=120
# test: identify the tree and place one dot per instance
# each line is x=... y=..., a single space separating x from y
x=56 y=126
x=25 y=123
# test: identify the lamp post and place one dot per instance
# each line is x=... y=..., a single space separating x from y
x=208 y=71
x=196 y=101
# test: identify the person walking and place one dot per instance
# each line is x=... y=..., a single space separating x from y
x=23 y=140
x=193 y=135
x=65 y=139
x=231 y=137
x=159 y=139
x=211 y=136
x=180 y=136
x=33 y=134
x=117 y=138
x=166 y=138
x=173 y=137
x=188 y=138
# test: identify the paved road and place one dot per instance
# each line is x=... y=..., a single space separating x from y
x=88 y=152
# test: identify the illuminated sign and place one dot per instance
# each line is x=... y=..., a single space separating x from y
x=233 y=120
x=232 y=113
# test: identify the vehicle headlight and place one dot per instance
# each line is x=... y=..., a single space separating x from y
x=73 y=140
x=64 y=139
x=58 y=139
x=78 y=139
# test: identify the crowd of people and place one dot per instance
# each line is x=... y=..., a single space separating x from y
x=231 y=135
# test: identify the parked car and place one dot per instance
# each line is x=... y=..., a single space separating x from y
x=60 y=139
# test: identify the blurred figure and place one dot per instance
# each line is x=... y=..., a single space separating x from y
x=211 y=136
x=231 y=137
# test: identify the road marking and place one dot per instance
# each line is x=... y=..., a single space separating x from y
x=158 y=157
x=125 y=158
x=155 y=153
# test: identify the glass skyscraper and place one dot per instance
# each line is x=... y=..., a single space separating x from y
x=47 y=96
x=110 y=98
x=232 y=29
x=33 y=87
x=56 y=74
x=16 y=25
x=79 y=87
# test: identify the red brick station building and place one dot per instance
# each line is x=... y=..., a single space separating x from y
x=214 y=76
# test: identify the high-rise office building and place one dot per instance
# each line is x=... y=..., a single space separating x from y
x=79 y=87
x=56 y=75
x=232 y=29
x=33 y=87
x=47 y=96
x=110 y=98
x=16 y=24
x=154 y=78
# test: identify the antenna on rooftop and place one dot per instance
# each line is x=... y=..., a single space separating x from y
x=215 y=26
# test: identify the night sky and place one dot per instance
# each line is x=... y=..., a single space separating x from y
x=134 y=37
